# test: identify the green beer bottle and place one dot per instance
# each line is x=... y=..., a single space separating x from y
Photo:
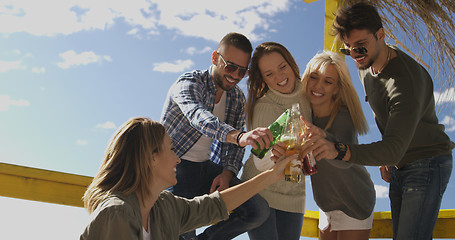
x=276 y=128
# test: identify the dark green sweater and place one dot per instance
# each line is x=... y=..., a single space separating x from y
x=401 y=97
x=340 y=185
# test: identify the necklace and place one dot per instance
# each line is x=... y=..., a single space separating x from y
x=386 y=61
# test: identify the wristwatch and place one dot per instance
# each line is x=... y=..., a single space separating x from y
x=341 y=148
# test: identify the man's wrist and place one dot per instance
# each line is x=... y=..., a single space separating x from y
x=239 y=136
x=234 y=137
x=342 y=149
x=228 y=173
x=231 y=169
x=231 y=137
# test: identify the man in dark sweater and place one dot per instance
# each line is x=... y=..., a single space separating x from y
x=415 y=154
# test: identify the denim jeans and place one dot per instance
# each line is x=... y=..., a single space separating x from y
x=195 y=179
x=280 y=225
x=415 y=194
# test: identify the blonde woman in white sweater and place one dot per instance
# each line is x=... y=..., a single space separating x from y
x=273 y=86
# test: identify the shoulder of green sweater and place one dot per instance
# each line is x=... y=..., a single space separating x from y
x=122 y=199
x=168 y=198
x=406 y=59
x=166 y=194
x=119 y=206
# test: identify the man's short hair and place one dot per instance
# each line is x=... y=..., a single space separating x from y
x=358 y=16
x=237 y=40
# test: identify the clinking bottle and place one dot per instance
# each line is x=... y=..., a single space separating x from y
x=292 y=138
x=276 y=128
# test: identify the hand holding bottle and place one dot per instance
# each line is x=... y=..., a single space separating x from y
x=317 y=144
x=258 y=138
x=276 y=129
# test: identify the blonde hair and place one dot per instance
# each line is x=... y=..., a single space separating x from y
x=126 y=167
x=256 y=84
x=347 y=96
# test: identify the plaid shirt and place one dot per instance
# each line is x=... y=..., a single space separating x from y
x=187 y=114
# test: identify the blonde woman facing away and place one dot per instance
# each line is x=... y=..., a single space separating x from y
x=273 y=86
x=127 y=199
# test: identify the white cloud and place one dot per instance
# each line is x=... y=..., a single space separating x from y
x=193 y=18
x=107 y=58
x=51 y=17
x=38 y=70
x=178 y=66
x=6 y=102
x=187 y=18
x=5 y=66
x=81 y=142
x=133 y=31
x=193 y=50
x=381 y=191
x=71 y=58
x=449 y=122
x=447 y=96
x=106 y=125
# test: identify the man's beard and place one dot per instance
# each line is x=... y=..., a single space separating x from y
x=370 y=62
x=218 y=79
x=366 y=66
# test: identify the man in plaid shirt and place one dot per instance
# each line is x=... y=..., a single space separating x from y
x=204 y=114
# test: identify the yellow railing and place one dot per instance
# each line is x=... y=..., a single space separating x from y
x=67 y=189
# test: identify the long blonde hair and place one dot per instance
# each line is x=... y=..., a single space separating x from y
x=126 y=167
x=256 y=84
x=347 y=96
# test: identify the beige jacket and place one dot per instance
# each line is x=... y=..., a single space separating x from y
x=282 y=195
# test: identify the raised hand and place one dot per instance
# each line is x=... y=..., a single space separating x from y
x=321 y=148
x=311 y=130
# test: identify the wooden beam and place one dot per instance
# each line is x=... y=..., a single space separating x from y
x=67 y=189
x=331 y=6
x=382 y=225
x=42 y=185
x=310 y=226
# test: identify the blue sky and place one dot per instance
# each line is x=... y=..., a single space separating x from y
x=72 y=71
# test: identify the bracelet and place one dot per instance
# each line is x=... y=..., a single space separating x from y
x=238 y=138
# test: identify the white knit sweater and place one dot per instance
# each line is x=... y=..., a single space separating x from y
x=282 y=195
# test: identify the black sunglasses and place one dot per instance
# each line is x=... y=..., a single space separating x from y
x=358 y=50
x=232 y=67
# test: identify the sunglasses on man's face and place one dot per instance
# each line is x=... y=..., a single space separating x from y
x=358 y=50
x=232 y=67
